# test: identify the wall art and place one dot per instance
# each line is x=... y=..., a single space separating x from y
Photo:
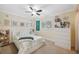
x=46 y=24
x=62 y=22
x=37 y=25
x=14 y=23
x=22 y=24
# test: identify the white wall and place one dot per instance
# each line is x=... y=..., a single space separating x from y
x=21 y=30
x=16 y=30
x=3 y=24
x=60 y=36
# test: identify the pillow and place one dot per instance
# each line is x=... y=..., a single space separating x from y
x=26 y=38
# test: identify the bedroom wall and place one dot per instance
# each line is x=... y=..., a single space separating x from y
x=14 y=24
x=60 y=36
x=4 y=21
x=23 y=26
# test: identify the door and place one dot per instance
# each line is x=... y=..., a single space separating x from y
x=77 y=29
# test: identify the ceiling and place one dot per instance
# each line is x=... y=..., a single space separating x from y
x=48 y=9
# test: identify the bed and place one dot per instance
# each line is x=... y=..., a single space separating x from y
x=28 y=44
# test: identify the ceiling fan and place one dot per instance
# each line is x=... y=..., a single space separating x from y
x=34 y=11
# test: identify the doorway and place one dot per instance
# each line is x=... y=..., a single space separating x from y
x=77 y=30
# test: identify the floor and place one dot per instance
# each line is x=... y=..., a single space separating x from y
x=50 y=48
x=47 y=48
x=8 y=49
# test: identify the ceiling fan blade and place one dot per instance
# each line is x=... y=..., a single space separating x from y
x=39 y=11
x=31 y=8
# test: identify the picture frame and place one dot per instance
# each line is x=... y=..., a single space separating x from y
x=47 y=24
x=62 y=22
x=22 y=24
x=14 y=23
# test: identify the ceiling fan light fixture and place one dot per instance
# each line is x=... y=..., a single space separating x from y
x=34 y=13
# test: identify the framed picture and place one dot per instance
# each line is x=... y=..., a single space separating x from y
x=57 y=25
x=14 y=23
x=47 y=24
x=22 y=24
x=57 y=19
x=27 y=25
x=62 y=22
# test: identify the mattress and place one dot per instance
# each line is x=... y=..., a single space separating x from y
x=30 y=46
x=26 y=46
